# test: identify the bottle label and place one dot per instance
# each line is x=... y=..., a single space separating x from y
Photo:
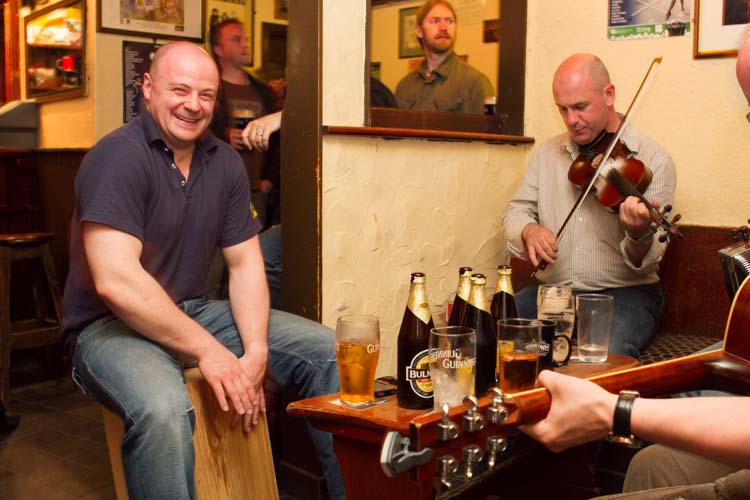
x=418 y=374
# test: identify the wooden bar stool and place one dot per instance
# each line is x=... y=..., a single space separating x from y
x=42 y=330
x=229 y=463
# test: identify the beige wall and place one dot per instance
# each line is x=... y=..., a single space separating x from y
x=393 y=207
x=384 y=40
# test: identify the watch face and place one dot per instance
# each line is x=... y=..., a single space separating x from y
x=560 y=350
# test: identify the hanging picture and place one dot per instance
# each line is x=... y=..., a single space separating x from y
x=719 y=26
x=171 y=19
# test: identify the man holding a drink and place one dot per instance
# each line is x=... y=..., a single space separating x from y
x=242 y=99
x=612 y=254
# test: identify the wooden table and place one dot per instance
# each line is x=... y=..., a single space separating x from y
x=358 y=436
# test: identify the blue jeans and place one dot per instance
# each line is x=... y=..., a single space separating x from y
x=270 y=246
x=143 y=383
x=637 y=310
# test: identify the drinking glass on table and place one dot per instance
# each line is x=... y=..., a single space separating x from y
x=518 y=353
x=357 y=351
x=594 y=313
x=453 y=357
x=557 y=303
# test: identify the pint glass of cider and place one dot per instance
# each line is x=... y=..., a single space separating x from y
x=517 y=353
x=357 y=351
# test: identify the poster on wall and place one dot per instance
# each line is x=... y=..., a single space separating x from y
x=635 y=19
x=136 y=58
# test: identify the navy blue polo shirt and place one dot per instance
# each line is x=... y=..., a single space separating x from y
x=129 y=181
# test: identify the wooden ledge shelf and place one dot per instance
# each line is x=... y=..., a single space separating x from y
x=441 y=135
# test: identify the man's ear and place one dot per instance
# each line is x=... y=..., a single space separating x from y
x=420 y=32
x=609 y=94
x=148 y=84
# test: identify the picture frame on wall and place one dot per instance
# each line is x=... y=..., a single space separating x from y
x=168 y=19
x=719 y=25
x=220 y=10
x=408 y=42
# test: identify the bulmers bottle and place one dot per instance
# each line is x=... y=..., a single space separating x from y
x=462 y=296
x=414 y=389
x=504 y=301
x=478 y=317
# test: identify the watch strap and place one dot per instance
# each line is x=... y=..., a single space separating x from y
x=621 y=432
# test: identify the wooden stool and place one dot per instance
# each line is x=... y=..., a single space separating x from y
x=45 y=328
x=229 y=463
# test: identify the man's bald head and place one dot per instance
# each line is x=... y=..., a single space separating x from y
x=177 y=51
x=584 y=66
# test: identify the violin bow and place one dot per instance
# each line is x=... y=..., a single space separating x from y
x=607 y=153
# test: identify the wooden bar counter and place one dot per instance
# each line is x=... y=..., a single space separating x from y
x=359 y=434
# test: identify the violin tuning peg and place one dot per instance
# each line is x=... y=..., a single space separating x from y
x=676 y=218
x=667 y=209
x=662 y=238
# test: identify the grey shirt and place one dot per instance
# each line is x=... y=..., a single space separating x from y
x=453 y=86
x=591 y=252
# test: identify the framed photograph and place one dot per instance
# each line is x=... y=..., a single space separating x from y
x=408 y=42
x=719 y=25
x=170 y=19
x=281 y=9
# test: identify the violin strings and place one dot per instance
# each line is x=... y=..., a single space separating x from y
x=625 y=188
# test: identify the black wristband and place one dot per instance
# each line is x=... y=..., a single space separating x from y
x=621 y=422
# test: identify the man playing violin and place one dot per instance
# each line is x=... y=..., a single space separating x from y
x=702 y=449
x=614 y=254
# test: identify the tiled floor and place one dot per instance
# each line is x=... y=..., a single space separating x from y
x=59 y=449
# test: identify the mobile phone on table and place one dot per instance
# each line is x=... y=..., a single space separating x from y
x=385 y=386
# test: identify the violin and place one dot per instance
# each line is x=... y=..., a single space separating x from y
x=624 y=176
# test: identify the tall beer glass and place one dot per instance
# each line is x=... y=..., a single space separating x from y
x=357 y=351
x=453 y=357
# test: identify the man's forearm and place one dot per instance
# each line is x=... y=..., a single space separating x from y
x=712 y=427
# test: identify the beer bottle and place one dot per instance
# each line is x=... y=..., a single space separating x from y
x=503 y=302
x=478 y=317
x=414 y=388
x=462 y=296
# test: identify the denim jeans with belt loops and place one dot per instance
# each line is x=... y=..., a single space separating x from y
x=143 y=383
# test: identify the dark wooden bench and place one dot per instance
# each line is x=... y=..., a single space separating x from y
x=696 y=301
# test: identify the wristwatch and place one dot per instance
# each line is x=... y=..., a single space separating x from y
x=621 y=433
x=641 y=241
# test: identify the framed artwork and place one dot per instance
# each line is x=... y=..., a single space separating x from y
x=221 y=10
x=408 y=42
x=719 y=26
x=281 y=9
x=171 y=19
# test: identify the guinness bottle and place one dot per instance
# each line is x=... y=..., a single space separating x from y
x=414 y=389
x=478 y=317
x=462 y=296
x=503 y=302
